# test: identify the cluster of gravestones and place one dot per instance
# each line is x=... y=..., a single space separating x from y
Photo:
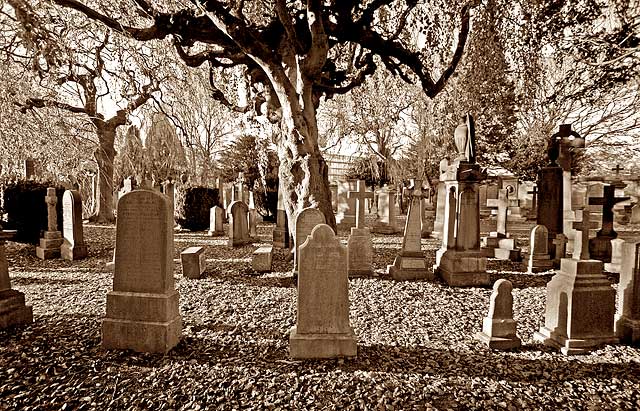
x=142 y=310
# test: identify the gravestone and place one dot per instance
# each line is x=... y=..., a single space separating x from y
x=460 y=261
x=281 y=230
x=539 y=259
x=359 y=243
x=50 y=244
x=410 y=263
x=628 y=312
x=13 y=310
x=498 y=327
x=333 y=187
x=580 y=306
x=238 y=224
x=216 y=217
x=253 y=217
x=73 y=246
x=616 y=256
x=635 y=214
x=322 y=327
x=386 y=221
x=170 y=192
x=534 y=202
x=550 y=195
x=306 y=220
x=499 y=243
x=142 y=310
x=600 y=246
x=193 y=262
x=438 y=223
x=261 y=259
x=560 y=244
x=346 y=216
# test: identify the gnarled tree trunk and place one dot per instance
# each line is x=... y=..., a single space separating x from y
x=105 y=154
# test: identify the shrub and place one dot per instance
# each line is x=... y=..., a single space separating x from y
x=192 y=205
x=25 y=208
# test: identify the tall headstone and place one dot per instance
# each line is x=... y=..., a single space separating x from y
x=628 y=312
x=534 y=201
x=550 y=195
x=359 y=243
x=281 y=230
x=238 y=224
x=410 y=263
x=306 y=220
x=499 y=243
x=498 y=327
x=438 y=224
x=459 y=261
x=600 y=246
x=386 y=221
x=216 y=216
x=50 y=245
x=253 y=217
x=346 y=216
x=13 y=310
x=142 y=310
x=73 y=246
x=539 y=259
x=580 y=306
x=616 y=256
x=322 y=327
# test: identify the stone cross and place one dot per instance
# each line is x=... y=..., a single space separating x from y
x=360 y=195
x=617 y=169
x=581 y=245
x=560 y=242
x=51 y=199
x=607 y=201
x=534 y=197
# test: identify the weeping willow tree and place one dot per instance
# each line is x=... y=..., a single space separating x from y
x=165 y=156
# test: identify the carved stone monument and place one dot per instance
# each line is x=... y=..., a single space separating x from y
x=216 y=217
x=539 y=259
x=359 y=243
x=73 y=246
x=50 y=245
x=498 y=327
x=306 y=220
x=13 y=310
x=628 y=313
x=238 y=224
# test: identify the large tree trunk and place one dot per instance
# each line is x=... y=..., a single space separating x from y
x=104 y=155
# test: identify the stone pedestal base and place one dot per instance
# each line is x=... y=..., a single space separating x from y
x=600 y=248
x=613 y=267
x=76 y=252
x=499 y=333
x=360 y=253
x=381 y=228
x=580 y=308
x=498 y=343
x=49 y=245
x=310 y=346
x=142 y=322
x=462 y=268
x=539 y=263
x=628 y=330
x=346 y=221
x=515 y=215
x=280 y=239
x=13 y=310
x=409 y=266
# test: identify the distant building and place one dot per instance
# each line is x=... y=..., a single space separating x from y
x=339 y=164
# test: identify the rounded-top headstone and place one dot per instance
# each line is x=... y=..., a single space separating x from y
x=501 y=305
x=539 y=240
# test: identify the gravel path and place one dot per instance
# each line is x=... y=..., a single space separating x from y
x=415 y=342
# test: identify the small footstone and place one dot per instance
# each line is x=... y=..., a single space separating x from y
x=498 y=327
x=193 y=262
x=261 y=259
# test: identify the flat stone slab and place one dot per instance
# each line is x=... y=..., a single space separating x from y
x=193 y=262
x=261 y=259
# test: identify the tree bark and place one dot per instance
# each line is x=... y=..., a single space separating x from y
x=104 y=155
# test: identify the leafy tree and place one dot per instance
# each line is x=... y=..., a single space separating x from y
x=297 y=52
x=165 y=157
x=130 y=159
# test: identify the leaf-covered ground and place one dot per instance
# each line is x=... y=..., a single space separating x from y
x=415 y=341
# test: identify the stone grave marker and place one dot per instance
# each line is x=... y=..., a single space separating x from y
x=238 y=224
x=306 y=220
x=193 y=262
x=580 y=306
x=142 y=310
x=600 y=246
x=281 y=230
x=410 y=263
x=359 y=243
x=73 y=246
x=216 y=217
x=628 y=312
x=534 y=202
x=616 y=256
x=13 y=310
x=386 y=221
x=539 y=259
x=346 y=216
x=253 y=217
x=499 y=243
x=498 y=327
x=50 y=245
x=635 y=214
x=322 y=327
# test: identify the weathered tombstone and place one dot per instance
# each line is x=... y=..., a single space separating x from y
x=628 y=312
x=216 y=216
x=253 y=217
x=539 y=259
x=193 y=262
x=410 y=263
x=73 y=246
x=50 y=244
x=281 y=230
x=460 y=261
x=359 y=243
x=600 y=246
x=238 y=224
x=13 y=310
x=534 y=202
x=635 y=214
x=386 y=221
x=306 y=220
x=346 y=216
x=499 y=243
x=560 y=244
x=498 y=327
x=261 y=259
x=616 y=256
x=322 y=327
x=142 y=310
x=580 y=306
x=550 y=195
x=438 y=224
